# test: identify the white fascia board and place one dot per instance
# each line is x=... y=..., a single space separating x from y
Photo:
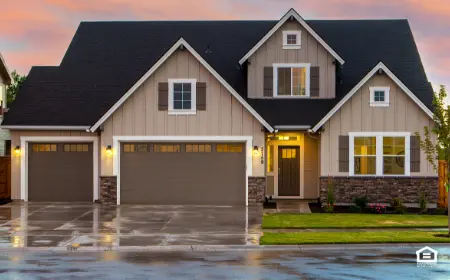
x=364 y=81
x=180 y=42
x=292 y=13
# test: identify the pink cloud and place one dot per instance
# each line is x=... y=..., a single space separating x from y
x=36 y=32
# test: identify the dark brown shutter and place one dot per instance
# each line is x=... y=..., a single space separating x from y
x=315 y=81
x=163 y=96
x=268 y=81
x=201 y=96
x=414 y=153
x=343 y=153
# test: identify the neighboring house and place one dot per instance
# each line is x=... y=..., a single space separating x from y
x=226 y=112
x=5 y=80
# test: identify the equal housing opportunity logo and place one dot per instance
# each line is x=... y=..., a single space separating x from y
x=427 y=257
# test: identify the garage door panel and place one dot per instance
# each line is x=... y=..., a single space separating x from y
x=57 y=175
x=207 y=178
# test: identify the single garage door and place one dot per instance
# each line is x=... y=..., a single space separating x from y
x=60 y=172
x=182 y=173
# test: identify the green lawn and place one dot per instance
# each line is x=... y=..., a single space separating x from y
x=281 y=220
x=294 y=238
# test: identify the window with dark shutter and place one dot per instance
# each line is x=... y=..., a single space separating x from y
x=315 y=81
x=163 y=96
x=343 y=153
x=268 y=81
x=201 y=96
x=415 y=154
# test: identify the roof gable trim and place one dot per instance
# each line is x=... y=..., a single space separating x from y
x=180 y=42
x=294 y=14
x=391 y=75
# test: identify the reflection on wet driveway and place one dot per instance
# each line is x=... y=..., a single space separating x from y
x=377 y=263
x=63 y=224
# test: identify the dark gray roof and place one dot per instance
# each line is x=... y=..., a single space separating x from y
x=105 y=59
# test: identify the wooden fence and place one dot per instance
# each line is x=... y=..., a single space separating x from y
x=443 y=179
x=5 y=177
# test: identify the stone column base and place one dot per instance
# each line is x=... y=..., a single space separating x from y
x=108 y=189
x=380 y=189
x=256 y=190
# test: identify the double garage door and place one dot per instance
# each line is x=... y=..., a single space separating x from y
x=182 y=173
x=150 y=173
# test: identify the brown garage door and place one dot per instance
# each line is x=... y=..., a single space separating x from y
x=60 y=172
x=174 y=174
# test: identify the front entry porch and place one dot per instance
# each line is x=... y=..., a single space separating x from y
x=292 y=165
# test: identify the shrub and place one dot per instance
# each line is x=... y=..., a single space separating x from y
x=399 y=208
x=329 y=207
x=378 y=208
x=423 y=203
x=355 y=209
x=361 y=201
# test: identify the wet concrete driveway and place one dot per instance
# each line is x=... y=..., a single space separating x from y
x=94 y=225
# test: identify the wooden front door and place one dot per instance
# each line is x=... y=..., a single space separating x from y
x=289 y=171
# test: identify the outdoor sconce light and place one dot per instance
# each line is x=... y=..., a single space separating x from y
x=255 y=150
x=17 y=150
x=109 y=150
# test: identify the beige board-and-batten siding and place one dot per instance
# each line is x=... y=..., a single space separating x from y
x=272 y=51
x=356 y=115
x=15 y=159
x=139 y=115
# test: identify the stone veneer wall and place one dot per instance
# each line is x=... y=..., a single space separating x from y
x=108 y=189
x=380 y=189
x=256 y=190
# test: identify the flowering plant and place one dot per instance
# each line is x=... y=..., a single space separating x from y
x=378 y=208
x=328 y=208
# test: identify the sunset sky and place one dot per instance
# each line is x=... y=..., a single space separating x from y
x=38 y=32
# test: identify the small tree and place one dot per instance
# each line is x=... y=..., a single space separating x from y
x=440 y=150
x=13 y=89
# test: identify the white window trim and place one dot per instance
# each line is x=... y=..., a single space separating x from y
x=291 y=65
x=379 y=153
x=287 y=46
x=193 y=109
x=384 y=103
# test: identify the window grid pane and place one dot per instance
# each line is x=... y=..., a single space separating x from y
x=379 y=96
x=270 y=157
x=182 y=96
x=228 y=148
x=365 y=165
x=291 y=39
x=158 y=148
x=365 y=146
x=299 y=81
x=202 y=148
x=284 y=81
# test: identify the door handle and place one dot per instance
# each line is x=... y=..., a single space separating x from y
x=279 y=169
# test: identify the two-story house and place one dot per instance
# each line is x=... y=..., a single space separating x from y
x=226 y=113
x=5 y=80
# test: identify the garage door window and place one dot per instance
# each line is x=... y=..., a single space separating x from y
x=158 y=148
x=44 y=147
x=190 y=148
x=77 y=148
x=228 y=148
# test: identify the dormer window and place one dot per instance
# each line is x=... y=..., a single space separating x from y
x=379 y=96
x=291 y=79
x=292 y=39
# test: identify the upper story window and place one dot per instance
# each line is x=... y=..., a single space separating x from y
x=182 y=96
x=291 y=80
x=379 y=96
x=379 y=154
x=292 y=39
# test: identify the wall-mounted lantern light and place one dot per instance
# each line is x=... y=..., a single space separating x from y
x=255 y=150
x=17 y=150
x=109 y=150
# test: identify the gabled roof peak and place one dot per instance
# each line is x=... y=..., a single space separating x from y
x=292 y=13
